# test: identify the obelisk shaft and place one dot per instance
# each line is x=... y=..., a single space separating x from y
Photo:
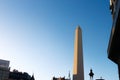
x=78 y=71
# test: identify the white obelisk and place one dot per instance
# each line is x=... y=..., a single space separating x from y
x=78 y=71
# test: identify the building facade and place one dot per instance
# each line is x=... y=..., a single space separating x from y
x=6 y=74
x=4 y=69
x=114 y=42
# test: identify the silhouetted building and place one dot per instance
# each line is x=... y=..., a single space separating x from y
x=114 y=42
x=15 y=75
x=6 y=74
x=60 y=78
x=99 y=79
x=4 y=69
x=32 y=78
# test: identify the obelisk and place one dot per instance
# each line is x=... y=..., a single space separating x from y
x=78 y=70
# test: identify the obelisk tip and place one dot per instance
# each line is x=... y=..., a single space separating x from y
x=78 y=27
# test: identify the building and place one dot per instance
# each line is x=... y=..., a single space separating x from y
x=99 y=79
x=16 y=75
x=114 y=42
x=60 y=78
x=4 y=69
x=78 y=69
x=4 y=63
x=6 y=74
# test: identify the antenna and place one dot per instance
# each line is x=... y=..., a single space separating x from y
x=69 y=76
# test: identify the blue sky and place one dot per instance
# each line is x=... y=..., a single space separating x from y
x=37 y=36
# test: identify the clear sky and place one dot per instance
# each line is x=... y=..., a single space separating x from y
x=37 y=36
